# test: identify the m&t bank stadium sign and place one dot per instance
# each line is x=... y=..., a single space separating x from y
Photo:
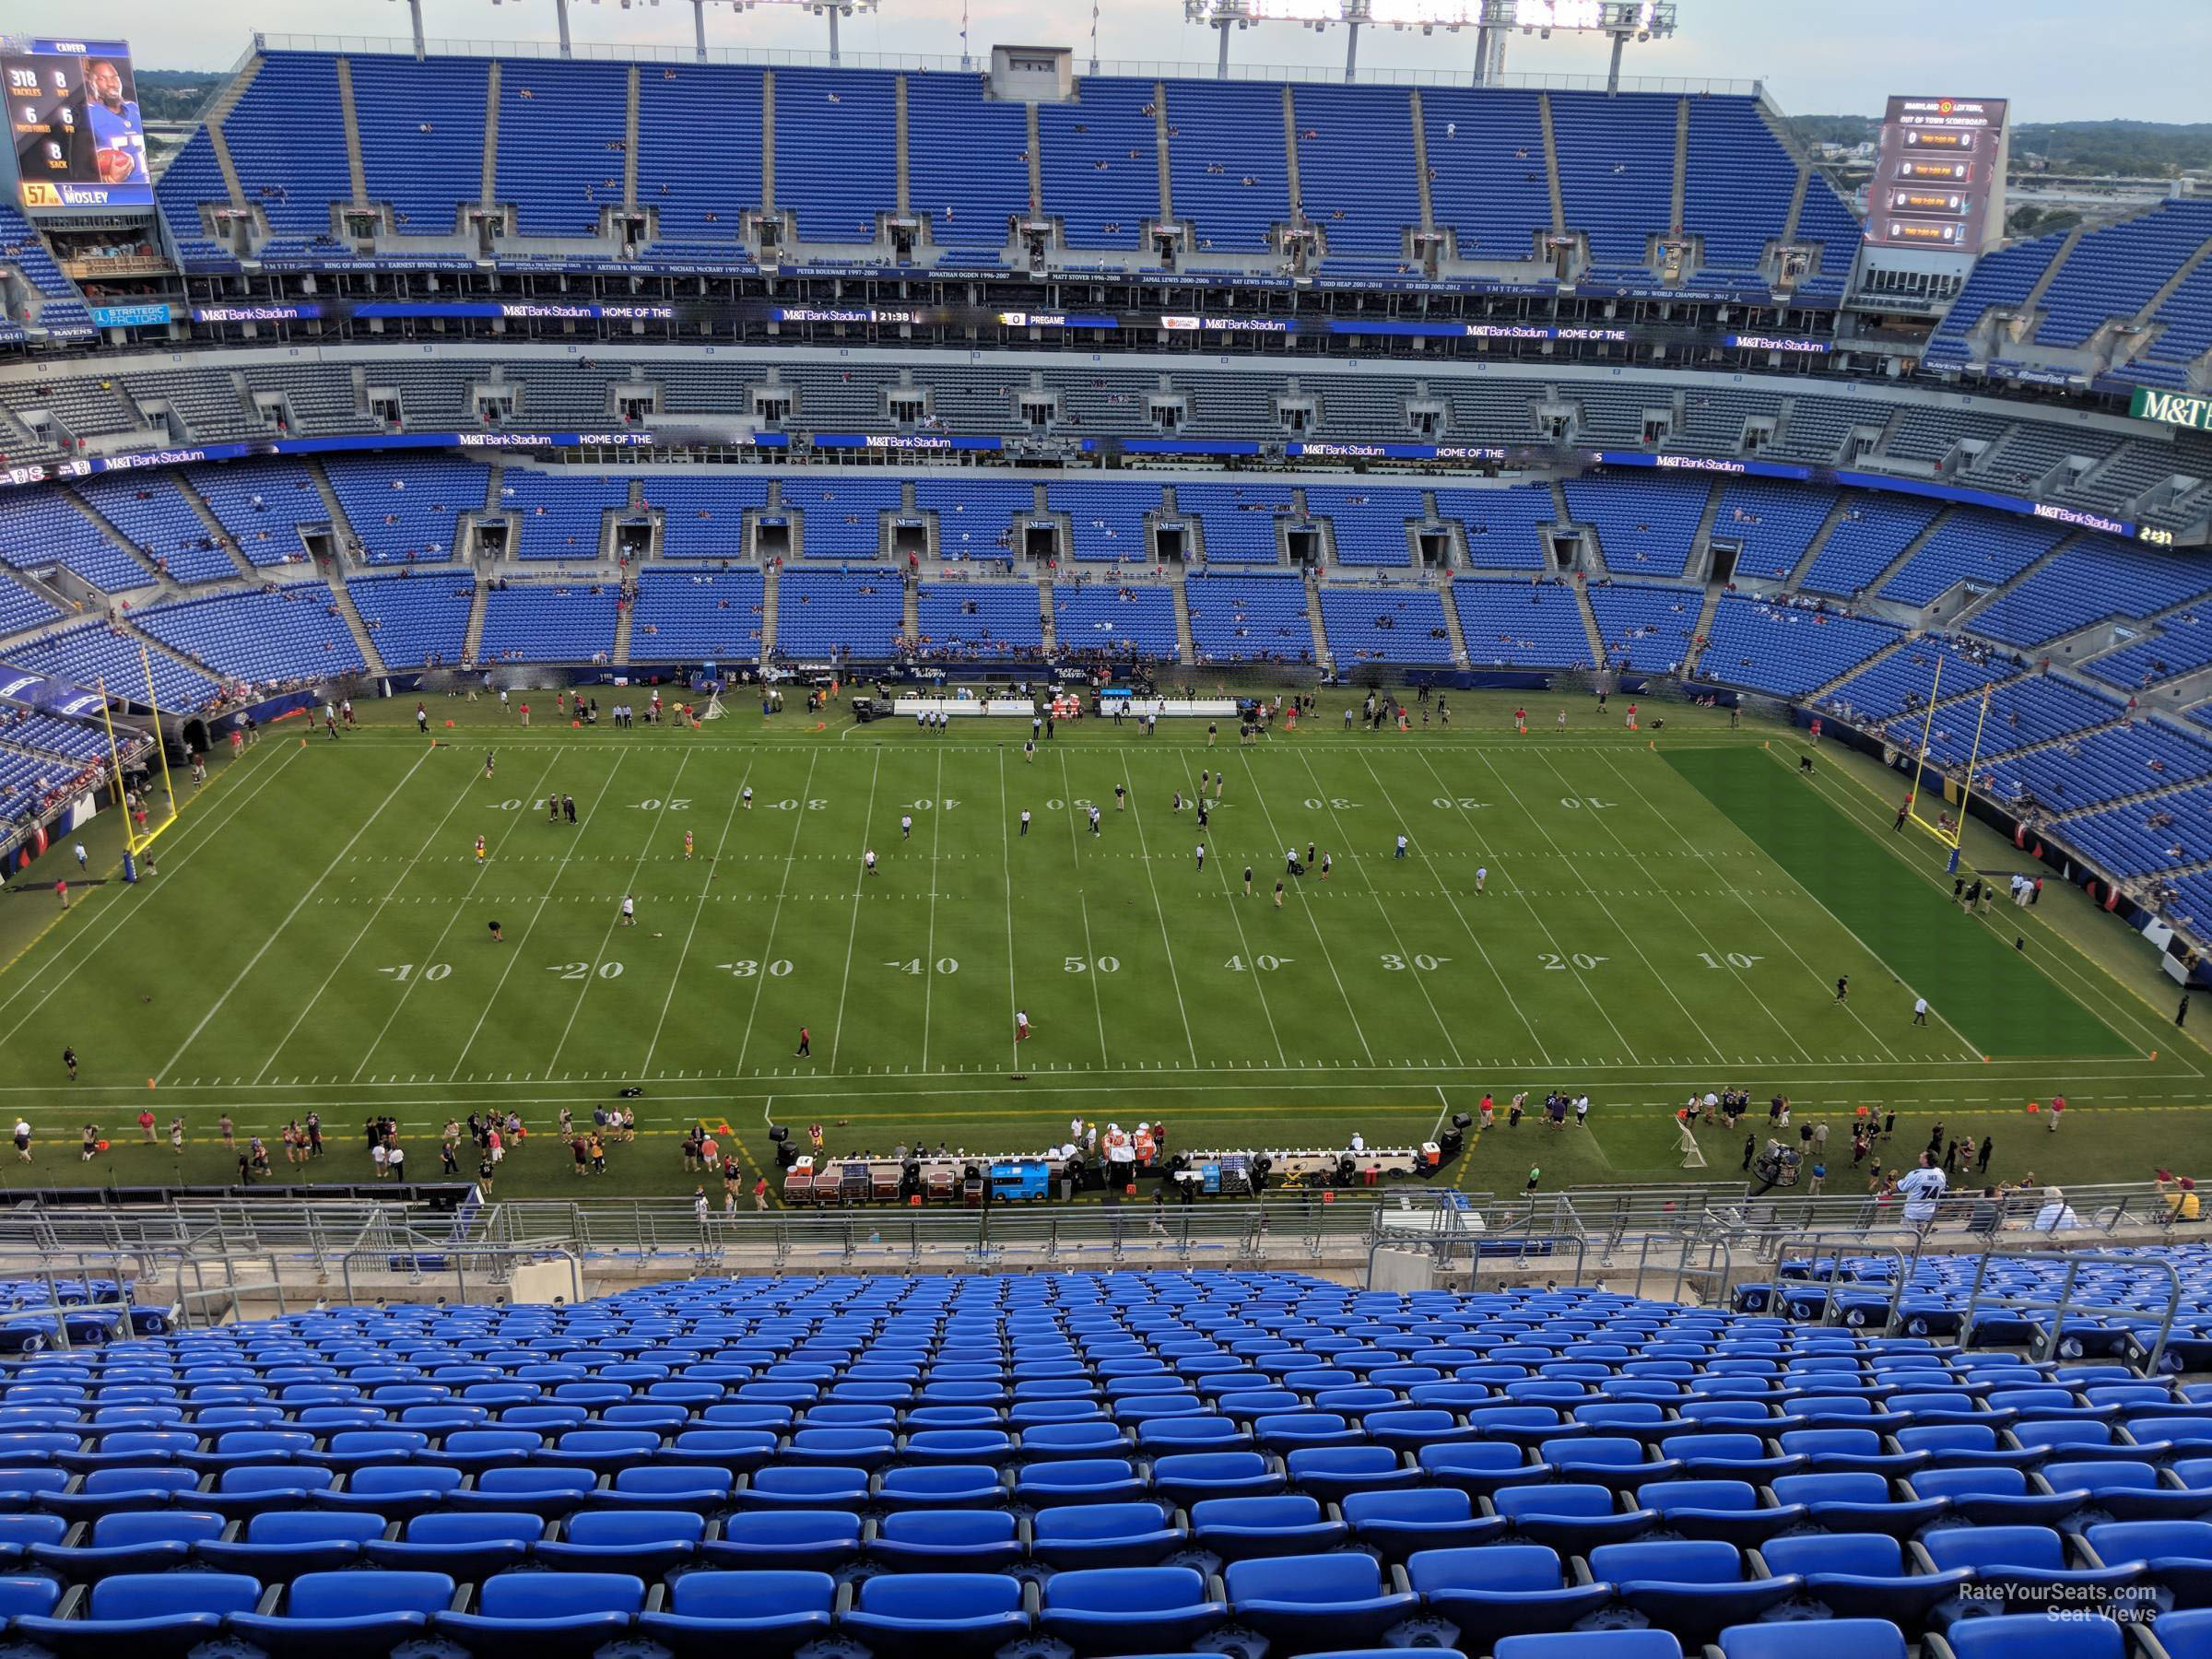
x=2175 y=408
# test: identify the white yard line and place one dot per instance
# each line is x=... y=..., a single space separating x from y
x=698 y=909
x=1090 y=957
x=1467 y=927
x=1741 y=975
x=860 y=881
x=123 y=912
x=1251 y=966
x=299 y=904
x=1662 y=981
x=537 y=909
x=376 y=911
x=1144 y=856
x=1313 y=921
x=937 y=828
x=1761 y=916
x=1005 y=854
x=407 y=990
x=659 y=819
x=767 y=951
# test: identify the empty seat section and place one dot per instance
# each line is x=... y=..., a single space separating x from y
x=1226 y=164
x=414 y=621
x=698 y=149
x=1646 y=526
x=421 y=123
x=836 y=151
x=1521 y=624
x=968 y=172
x=824 y=616
x=570 y=623
x=1385 y=625
x=1784 y=649
x=562 y=130
x=1249 y=618
x=697 y=616
x=1487 y=174
x=1646 y=628
x=1101 y=162
x=1357 y=180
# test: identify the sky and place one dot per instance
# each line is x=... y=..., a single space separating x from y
x=2057 y=60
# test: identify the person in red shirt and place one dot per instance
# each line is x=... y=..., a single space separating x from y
x=146 y=1123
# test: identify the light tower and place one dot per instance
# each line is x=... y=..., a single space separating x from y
x=1493 y=21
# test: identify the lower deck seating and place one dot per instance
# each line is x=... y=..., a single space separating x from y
x=414 y=621
x=1646 y=627
x=1385 y=625
x=1786 y=651
x=1117 y=620
x=1249 y=619
x=697 y=616
x=571 y=623
x=1521 y=624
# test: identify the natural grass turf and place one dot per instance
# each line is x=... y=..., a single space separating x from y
x=1994 y=994
x=1652 y=922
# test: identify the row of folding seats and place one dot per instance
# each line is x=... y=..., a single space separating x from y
x=1487 y=1599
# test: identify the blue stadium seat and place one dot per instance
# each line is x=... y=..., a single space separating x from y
x=280 y=1545
x=137 y=1613
x=347 y=1613
x=946 y=1541
x=651 y=1543
x=1108 y=1610
x=2179 y=1554
x=912 y=1613
x=2029 y=1636
x=1501 y=1590
x=1861 y=1575
x=1102 y=1535
x=1843 y=1638
x=771 y=1612
x=1314 y=1601
x=472 y=1544
x=794 y=1539
x=1693 y=1588
x=544 y=1613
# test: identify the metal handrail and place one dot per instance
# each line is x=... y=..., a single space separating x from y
x=2060 y=1306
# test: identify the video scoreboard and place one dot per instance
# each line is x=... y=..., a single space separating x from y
x=74 y=135
x=1939 y=175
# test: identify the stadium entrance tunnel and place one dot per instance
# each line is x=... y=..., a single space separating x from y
x=1041 y=542
x=1724 y=555
x=1167 y=542
x=1436 y=549
x=910 y=540
x=193 y=734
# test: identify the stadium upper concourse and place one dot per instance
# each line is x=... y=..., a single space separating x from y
x=546 y=365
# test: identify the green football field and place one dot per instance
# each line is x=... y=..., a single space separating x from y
x=1660 y=914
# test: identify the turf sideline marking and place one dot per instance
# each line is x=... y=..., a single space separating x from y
x=767 y=951
x=1167 y=945
x=536 y=910
x=1761 y=916
x=1674 y=904
x=937 y=831
x=1074 y=849
x=124 y=915
x=636 y=868
x=2072 y=953
x=860 y=878
x=1251 y=967
x=1313 y=921
x=698 y=909
x=1006 y=855
x=1420 y=850
x=299 y=904
x=407 y=990
x=468 y=782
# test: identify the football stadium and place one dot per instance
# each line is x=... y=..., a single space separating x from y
x=1013 y=856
